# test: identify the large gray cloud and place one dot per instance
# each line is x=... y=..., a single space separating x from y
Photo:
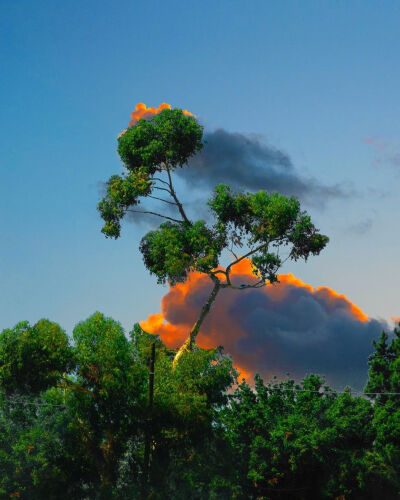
x=289 y=327
x=246 y=162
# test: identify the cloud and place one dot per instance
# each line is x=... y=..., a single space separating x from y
x=386 y=152
x=361 y=227
x=142 y=111
x=290 y=327
x=246 y=162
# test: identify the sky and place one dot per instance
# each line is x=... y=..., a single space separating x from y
x=315 y=81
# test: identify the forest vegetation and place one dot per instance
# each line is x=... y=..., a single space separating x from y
x=75 y=422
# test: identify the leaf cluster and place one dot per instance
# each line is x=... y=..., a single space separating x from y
x=122 y=192
x=168 y=138
x=173 y=250
x=32 y=358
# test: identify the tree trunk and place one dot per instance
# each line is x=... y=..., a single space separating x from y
x=188 y=344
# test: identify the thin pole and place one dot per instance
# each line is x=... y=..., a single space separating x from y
x=146 y=462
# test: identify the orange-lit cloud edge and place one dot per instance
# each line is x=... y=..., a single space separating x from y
x=173 y=335
x=142 y=111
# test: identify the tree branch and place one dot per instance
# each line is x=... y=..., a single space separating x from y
x=173 y=194
x=259 y=284
x=245 y=256
x=160 y=180
x=162 y=189
x=219 y=271
x=161 y=199
x=155 y=213
x=232 y=252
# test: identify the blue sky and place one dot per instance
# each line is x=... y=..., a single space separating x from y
x=315 y=79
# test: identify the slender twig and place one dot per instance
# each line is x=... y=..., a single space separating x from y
x=155 y=213
x=259 y=284
x=158 y=179
x=162 y=189
x=245 y=256
x=161 y=199
x=232 y=252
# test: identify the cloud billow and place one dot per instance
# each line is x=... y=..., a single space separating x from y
x=289 y=327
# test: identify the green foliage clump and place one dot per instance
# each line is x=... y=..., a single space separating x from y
x=33 y=358
x=266 y=221
x=173 y=250
x=262 y=221
x=170 y=137
x=82 y=434
x=122 y=192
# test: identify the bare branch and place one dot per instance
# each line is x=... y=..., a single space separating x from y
x=160 y=180
x=259 y=284
x=162 y=189
x=173 y=194
x=155 y=213
x=232 y=252
x=219 y=271
x=161 y=199
x=246 y=255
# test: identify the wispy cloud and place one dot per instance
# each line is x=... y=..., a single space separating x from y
x=386 y=151
x=361 y=227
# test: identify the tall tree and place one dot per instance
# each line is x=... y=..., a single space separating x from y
x=261 y=222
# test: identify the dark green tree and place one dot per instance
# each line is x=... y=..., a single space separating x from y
x=33 y=358
x=102 y=392
x=383 y=388
x=303 y=441
x=262 y=222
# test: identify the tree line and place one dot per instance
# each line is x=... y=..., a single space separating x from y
x=75 y=421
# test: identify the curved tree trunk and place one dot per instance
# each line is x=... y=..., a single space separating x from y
x=189 y=342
